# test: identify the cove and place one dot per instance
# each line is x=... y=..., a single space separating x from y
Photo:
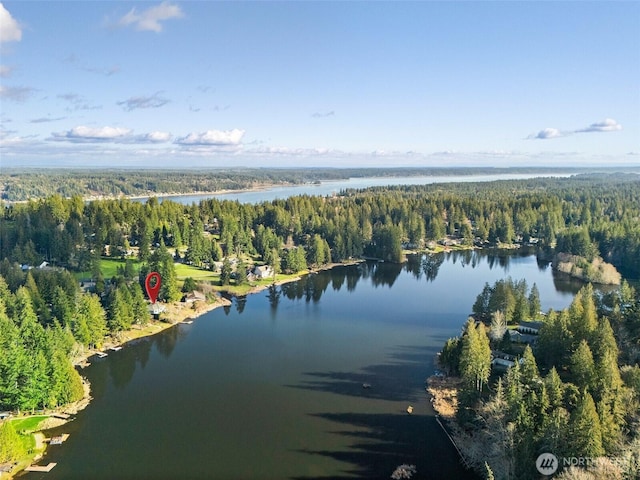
x=271 y=387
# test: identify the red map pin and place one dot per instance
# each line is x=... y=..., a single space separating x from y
x=152 y=290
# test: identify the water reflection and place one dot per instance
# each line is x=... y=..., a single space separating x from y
x=167 y=342
x=240 y=302
x=274 y=298
x=425 y=265
x=384 y=274
x=381 y=273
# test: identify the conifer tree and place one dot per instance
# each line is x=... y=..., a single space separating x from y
x=585 y=430
x=582 y=366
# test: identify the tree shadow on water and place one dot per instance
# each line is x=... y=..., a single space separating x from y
x=382 y=442
x=400 y=378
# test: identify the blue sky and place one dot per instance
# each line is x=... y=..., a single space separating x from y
x=179 y=84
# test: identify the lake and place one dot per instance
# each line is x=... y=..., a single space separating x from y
x=335 y=186
x=271 y=387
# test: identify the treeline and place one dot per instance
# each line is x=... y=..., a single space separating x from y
x=29 y=184
x=568 y=395
x=584 y=215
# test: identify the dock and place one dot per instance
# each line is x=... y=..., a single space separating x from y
x=59 y=440
x=101 y=354
x=38 y=468
x=116 y=349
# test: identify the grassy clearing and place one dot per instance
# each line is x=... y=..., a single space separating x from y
x=28 y=424
x=183 y=271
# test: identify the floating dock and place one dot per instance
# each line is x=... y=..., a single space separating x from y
x=116 y=349
x=101 y=354
x=38 y=468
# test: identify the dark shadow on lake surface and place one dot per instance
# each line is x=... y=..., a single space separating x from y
x=400 y=379
x=381 y=442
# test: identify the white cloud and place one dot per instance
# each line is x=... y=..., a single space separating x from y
x=152 y=101
x=607 y=125
x=10 y=30
x=153 y=137
x=213 y=137
x=150 y=18
x=547 y=133
x=83 y=134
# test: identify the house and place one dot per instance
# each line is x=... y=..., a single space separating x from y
x=517 y=337
x=532 y=328
x=503 y=361
x=262 y=272
x=194 y=296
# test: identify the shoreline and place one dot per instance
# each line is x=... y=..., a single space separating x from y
x=175 y=314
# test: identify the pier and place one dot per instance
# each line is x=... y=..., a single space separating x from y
x=39 y=468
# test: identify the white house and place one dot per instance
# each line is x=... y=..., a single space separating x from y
x=262 y=272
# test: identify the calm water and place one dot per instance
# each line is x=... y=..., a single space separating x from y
x=271 y=387
x=332 y=187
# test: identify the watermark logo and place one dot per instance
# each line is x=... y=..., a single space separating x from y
x=547 y=463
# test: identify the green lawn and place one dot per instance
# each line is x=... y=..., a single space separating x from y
x=29 y=424
x=109 y=268
x=183 y=271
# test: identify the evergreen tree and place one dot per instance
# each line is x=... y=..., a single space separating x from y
x=189 y=285
x=534 y=303
x=529 y=367
x=584 y=426
x=582 y=366
x=225 y=272
x=11 y=446
x=475 y=358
